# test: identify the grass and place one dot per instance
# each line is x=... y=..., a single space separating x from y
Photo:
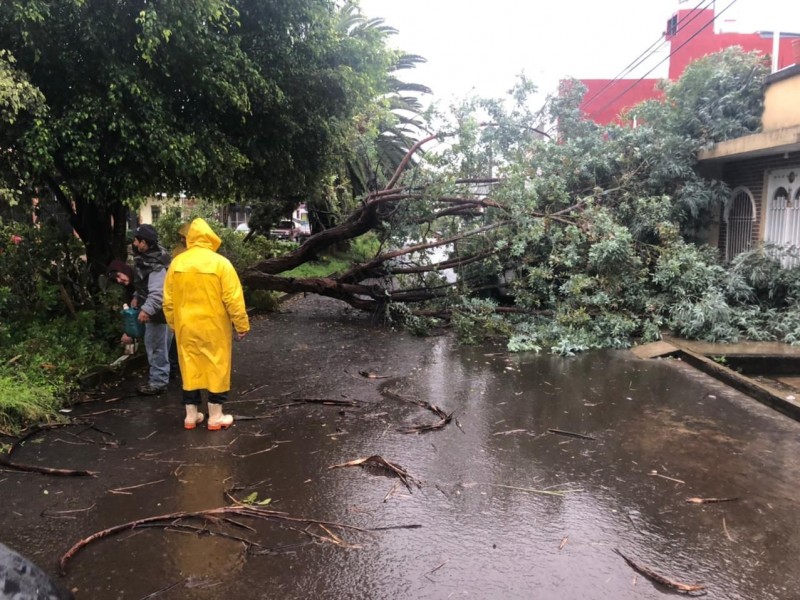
x=265 y=301
x=322 y=267
x=22 y=403
x=40 y=365
x=360 y=250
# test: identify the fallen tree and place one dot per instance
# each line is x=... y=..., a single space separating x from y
x=590 y=238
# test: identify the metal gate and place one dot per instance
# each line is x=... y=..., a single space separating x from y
x=739 y=217
x=783 y=212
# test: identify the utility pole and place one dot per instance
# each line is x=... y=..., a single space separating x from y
x=776 y=48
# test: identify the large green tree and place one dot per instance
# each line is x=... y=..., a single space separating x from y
x=21 y=104
x=224 y=99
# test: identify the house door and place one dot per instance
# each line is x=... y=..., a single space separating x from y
x=739 y=219
x=783 y=211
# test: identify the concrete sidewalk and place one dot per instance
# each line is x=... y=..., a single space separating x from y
x=766 y=371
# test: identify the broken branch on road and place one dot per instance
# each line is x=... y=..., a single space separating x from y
x=270 y=449
x=33 y=431
x=217 y=516
x=440 y=424
x=127 y=490
x=45 y=470
x=686 y=588
x=65 y=513
x=571 y=434
x=444 y=418
x=253 y=389
x=380 y=462
x=655 y=473
x=371 y=375
x=709 y=500
x=324 y=401
x=534 y=491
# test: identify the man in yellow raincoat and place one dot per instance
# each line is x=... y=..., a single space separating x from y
x=202 y=299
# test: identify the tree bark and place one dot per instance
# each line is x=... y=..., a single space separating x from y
x=101 y=225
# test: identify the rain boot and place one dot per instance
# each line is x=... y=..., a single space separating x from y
x=193 y=418
x=216 y=420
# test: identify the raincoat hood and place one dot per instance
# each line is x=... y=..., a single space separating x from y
x=200 y=235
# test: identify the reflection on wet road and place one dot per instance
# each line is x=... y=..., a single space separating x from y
x=508 y=508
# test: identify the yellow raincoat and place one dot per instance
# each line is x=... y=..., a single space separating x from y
x=202 y=298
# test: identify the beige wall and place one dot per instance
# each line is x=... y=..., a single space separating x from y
x=160 y=204
x=146 y=211
x=782 y=104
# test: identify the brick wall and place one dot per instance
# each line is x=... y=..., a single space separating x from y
x=752 y=174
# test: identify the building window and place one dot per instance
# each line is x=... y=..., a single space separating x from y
x=782 y=227
x=672 y=26
x=238 y=214
x=155 y=213
x=739 y=217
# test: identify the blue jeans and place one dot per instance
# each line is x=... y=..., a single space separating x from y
x=157 y=337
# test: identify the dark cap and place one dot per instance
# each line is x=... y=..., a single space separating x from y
x=147 y=233
x=117 y=266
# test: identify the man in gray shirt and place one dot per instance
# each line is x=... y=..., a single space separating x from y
x=150 y=268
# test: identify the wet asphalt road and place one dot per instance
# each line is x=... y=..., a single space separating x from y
x=505 y=508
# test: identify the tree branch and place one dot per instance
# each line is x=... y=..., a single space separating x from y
x=401 y=167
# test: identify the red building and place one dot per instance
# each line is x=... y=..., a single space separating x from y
x=691 y=35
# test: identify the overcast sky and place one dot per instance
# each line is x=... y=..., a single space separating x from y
x=484 y=44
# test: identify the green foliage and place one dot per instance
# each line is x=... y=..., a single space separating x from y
x=59 y=350
x=261 y=301
x=359 y=250
x=21 y=103
x=718 y=97
x=475 y=320
x=23 y=402
x=600 y=235
x=252 y=499
x=42 y=273
x=243 y=252
x=52 y=329
x=364 y=247
x=401 y=316
x=321 y=267
x=43 y=359
x=219 y=99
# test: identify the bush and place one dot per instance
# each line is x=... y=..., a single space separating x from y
x=22 y=402
x=476 y=321
x=52 y=328
x=243 y=252
x=43 y=361
x=262 y=300
x=364 y=248
x=42 y=273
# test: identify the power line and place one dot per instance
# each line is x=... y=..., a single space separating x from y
x=647 y=53
x=694 y=35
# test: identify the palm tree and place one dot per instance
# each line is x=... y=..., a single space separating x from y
x=384 y=132
x=396 y=125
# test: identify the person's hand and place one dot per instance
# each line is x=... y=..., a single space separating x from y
x=240 y=336
x=126 y=339
x=143 y=317
x=134 y=303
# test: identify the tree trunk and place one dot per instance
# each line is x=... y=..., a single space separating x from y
x=100 y=224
